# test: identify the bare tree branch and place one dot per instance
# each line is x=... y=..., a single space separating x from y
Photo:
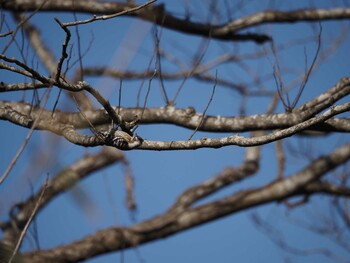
x=60 y=183
x=156 y=14
x=30 y=219
x=117 y=238
x=37 y=64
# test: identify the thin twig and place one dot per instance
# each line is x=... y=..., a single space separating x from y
x=25 y=142
x=81 y=77
x=56 y=102
x=148 y=90
x=158 y=65
x=308 y=72
x=20 y=25
x=64 y=77
x=144 y=79
x=105 y=17
x=277 y=75
x=33 y=73
x=30 y=219
x=206 y=108
x=120 y=95
x=6 y=34
x=86 y=118
x=197 y=62
x=64 y=54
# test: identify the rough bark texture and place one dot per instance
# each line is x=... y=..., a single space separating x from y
x=325 y=114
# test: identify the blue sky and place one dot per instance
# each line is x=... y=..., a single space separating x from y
x=161 y=176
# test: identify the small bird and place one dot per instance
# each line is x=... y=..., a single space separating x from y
x=125 y=141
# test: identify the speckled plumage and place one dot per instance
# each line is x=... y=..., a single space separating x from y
x=123 y=140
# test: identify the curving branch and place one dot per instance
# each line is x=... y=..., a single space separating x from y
x=228 y=176
x=158 y=14
x=155 y=14
x=169 y=223
x=321 y=115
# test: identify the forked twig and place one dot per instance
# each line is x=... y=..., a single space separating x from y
x=288 y=106
x=308 y=71
x=278 y=79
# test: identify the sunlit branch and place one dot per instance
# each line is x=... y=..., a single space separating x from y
x=237 y=140
x=22 y=114
x=70 y=133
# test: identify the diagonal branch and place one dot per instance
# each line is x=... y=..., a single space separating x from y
x=62 y=182
x=80 y=86
x=117 y=238
x=228 y=176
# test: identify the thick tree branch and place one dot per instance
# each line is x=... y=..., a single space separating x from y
x=228 y=176
x=154 y=14
x=66 y=123
x=189 y=118
x=273 y=16
x=69 y=131
x=194 y=206
x=242 y=141
x=326 y=99
x=326 y=188
x=116 y=238
x=159 y=15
